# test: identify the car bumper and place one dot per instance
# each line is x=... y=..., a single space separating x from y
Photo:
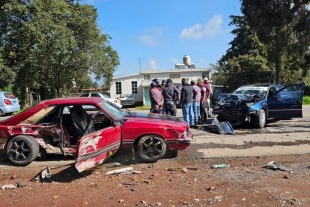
x=128 y=103
x=230 y=115
x=10 y=109
x=181 y=143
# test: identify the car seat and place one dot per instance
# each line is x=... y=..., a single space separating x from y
x=82 y=122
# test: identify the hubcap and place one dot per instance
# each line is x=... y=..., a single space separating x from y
x=152 y=147
x=19 y=151
x=263 y=118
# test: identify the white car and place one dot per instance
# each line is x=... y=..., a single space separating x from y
x=104 y=96
x=127 y=99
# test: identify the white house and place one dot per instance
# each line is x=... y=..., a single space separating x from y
x=139 y=84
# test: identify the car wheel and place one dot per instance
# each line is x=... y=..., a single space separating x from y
x=1 y=113
x=260 y=119
x=22 y=150
x=151 y=148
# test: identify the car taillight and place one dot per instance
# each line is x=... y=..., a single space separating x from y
x=115 y=101
x=7 y=102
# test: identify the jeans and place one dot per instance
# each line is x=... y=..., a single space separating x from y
x=170 y=108
x=188 y=114
x=196 y=110
x=203 y=113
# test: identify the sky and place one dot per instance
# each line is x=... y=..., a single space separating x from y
x=157 y=34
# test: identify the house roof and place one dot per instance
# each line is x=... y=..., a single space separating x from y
x=177 y=70
x=124 y=76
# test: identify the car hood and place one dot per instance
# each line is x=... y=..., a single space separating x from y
x=154 y=118
x=229 y=100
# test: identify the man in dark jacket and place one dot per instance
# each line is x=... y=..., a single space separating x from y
x=156 y=99
x=187 y=95
x=169 y=92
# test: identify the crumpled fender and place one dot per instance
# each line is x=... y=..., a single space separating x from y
x=221 y=127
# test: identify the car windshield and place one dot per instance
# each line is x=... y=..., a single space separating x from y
x=125 y=95
x=112 y=109
x=9 y=95
x=251 y=90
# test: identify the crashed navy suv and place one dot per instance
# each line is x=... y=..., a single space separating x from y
x=259 y=102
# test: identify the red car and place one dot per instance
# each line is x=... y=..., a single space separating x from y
x=92 y=129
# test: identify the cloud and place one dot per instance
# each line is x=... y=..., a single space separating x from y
x=151 y=36
x=176 y=61
x=153 y=64
x=208 y=29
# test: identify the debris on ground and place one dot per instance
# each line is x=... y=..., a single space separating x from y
x=20 y=184
x=277 y=166
x=220 y=166
x=218 y=127
x=8 y=186
x=126 y=170
x=46 y=173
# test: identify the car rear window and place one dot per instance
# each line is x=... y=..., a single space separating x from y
x=9 y=95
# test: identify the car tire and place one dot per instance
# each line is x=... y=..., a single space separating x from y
x=1 y=113
x=260 y=119
x=22 y=150
x=151 y=148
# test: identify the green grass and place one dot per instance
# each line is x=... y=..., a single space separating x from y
x=20 y=111
x=306 y=100
x=143 y=107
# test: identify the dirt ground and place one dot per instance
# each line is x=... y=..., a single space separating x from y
x=169 y=182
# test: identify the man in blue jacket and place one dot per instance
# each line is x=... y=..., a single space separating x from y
x=187 y=96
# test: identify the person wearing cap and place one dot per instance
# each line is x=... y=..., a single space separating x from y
x=203 y=113
x=163 y=83
x=186 y=102
x=196 y=102
x=208 y=94
x=156 y=99
x=170 y=92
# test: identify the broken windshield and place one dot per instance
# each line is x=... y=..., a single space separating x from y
x=246 y=90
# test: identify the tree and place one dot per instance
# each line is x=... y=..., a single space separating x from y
x=50 y=43
x=7 y=76
x=282 y=25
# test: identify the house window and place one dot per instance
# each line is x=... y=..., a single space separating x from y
x=147 y=77
x=118 y=87
x=134 y=87
x=174 y=76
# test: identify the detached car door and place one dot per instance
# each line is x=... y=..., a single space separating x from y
x=287 y=102
x=94 y=148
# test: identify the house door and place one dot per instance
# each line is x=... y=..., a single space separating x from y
x=147 y=100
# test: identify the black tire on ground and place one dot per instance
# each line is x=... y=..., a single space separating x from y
x=259 y=120
x=151 y=148
x=22 y=149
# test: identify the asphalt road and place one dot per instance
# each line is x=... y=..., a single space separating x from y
x=277 y=138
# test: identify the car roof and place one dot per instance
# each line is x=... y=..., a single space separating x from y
x=73 y=100
x=262 y=84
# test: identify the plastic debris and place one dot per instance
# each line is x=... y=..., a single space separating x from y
x=8 y=186
x=46 y=173
x=219 y=166
x=20 y=184
x=126 y=170
x=277 y=166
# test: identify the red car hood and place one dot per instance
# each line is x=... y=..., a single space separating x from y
x=154 y=118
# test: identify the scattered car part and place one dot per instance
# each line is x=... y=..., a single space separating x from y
x=46 y=173
x=277 y=166
x=8 y=186
x=126 y=170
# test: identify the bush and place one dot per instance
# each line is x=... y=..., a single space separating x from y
x=306 y=100
x=143 y=107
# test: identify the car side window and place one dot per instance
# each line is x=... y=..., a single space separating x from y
x=85 y=95
x=94 y=95
x=272 y=92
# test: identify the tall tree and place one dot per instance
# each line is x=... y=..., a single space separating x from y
x=48 y=43
x=281 y=24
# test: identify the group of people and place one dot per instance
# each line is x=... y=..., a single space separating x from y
x=193 y=97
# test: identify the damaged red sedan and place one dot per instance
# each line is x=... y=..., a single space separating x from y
x=92 y=129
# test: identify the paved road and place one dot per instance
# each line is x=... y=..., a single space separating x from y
x=282 y=137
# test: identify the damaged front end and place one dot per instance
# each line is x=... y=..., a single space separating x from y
x=237 y=108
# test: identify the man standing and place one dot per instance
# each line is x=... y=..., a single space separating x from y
x=156 y=99
x=203 y=113
x=186 y=102
x=208 y=93
x=196 y=102
x=169 y=92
